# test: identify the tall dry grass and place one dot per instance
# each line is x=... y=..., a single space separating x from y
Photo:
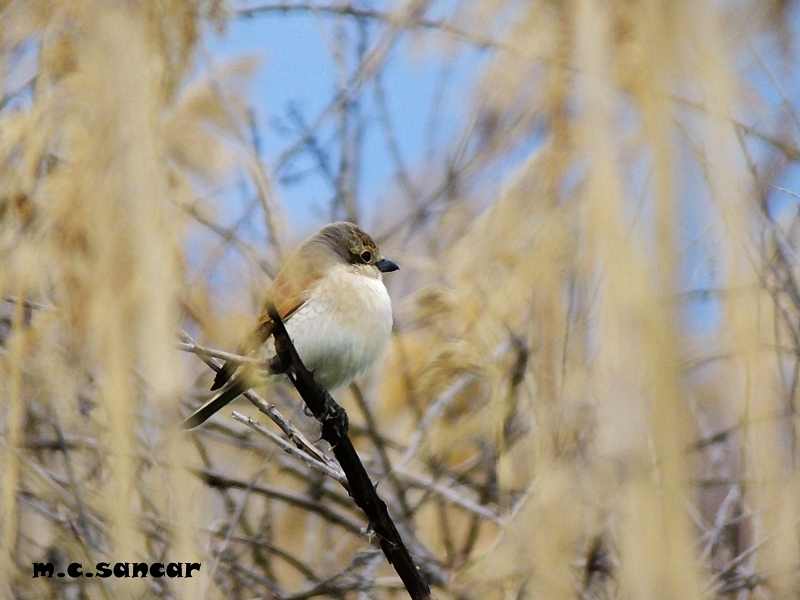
x=553 y=419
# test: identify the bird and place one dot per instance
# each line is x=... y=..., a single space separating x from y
x=331 y=296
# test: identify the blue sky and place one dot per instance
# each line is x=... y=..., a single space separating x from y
x=296 y=69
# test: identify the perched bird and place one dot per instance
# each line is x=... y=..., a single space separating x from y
x=337 y=311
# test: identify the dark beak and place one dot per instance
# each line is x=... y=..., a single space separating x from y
x=386 y=266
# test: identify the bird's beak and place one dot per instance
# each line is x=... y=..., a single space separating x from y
x=386 y=266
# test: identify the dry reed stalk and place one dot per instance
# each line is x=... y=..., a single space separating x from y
x=86 y=159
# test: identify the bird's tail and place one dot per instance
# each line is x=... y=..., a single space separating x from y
x=202 y=414
x=224 y=374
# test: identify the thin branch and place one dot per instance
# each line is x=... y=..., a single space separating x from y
x=271 y=412
x=333 y=472
x=218 y=480
x=220 y=354
x=348 y=10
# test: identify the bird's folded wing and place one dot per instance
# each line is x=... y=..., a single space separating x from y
x=288 y=291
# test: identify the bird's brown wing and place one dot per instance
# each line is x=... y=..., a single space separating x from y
x=288 y=291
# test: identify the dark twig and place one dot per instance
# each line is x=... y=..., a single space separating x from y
x=386 y=464
x=476 y=39
x=222 y=481
x=334 y=430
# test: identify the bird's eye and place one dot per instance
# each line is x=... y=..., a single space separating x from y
x=366 y=256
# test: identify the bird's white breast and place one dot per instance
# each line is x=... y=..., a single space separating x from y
x=342 y=327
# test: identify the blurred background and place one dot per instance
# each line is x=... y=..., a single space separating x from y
x=591 y=390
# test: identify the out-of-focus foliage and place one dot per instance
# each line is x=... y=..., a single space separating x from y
x=591 y=390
